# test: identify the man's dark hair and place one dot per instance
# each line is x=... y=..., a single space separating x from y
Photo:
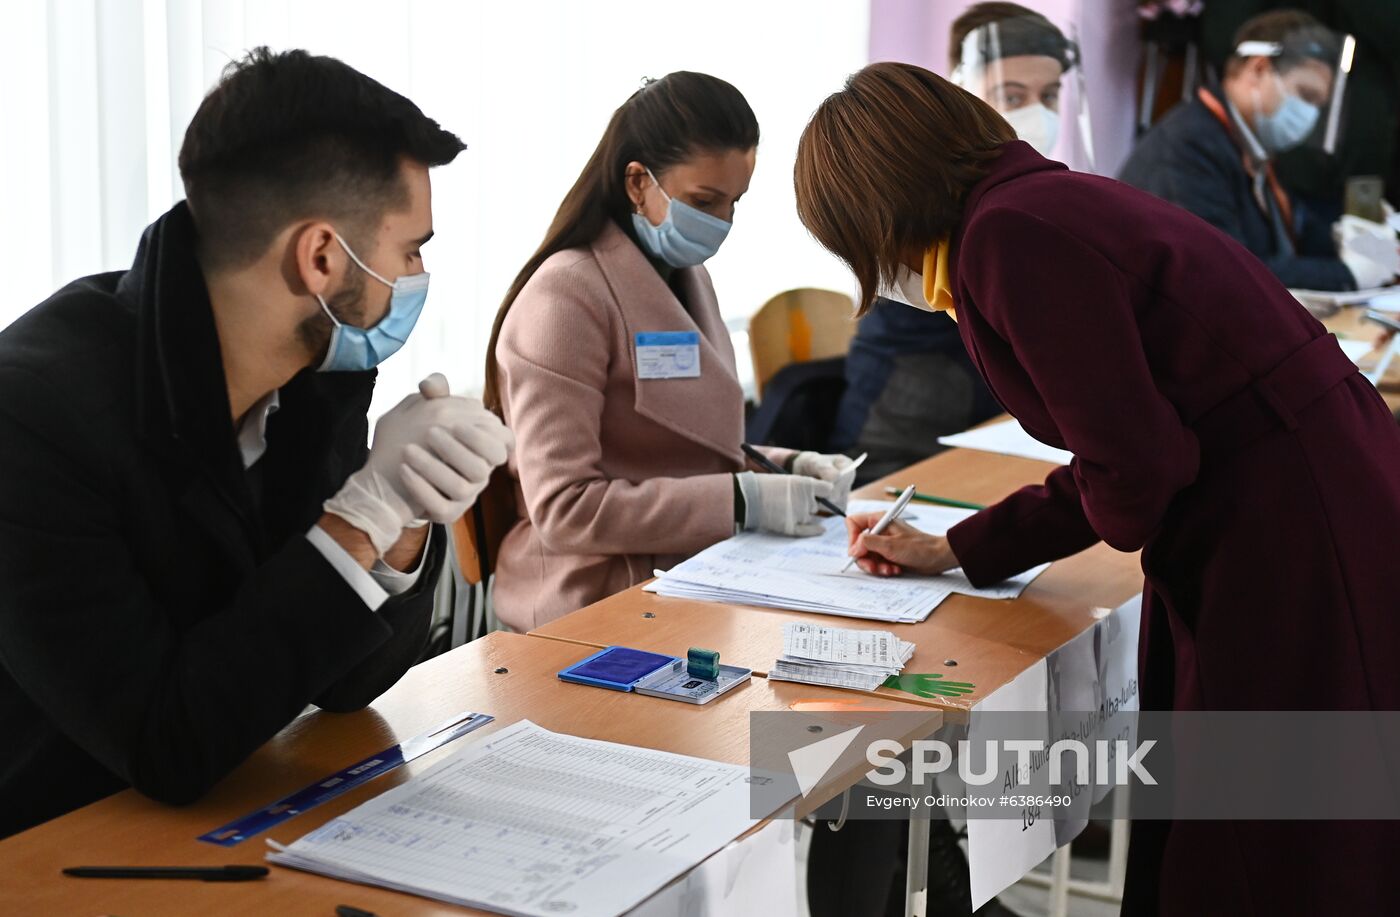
x=1300 y=36
x=290 y=136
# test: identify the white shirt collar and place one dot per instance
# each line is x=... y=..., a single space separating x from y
x=252 y=432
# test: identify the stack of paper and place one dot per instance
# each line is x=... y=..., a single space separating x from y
x=806 y=574
x=1323 y=303
x=532 y=822
x=1007 y=438
x=838 y=656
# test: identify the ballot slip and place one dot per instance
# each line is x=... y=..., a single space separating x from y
x=535 y=823
x=816 y=654
x=806 y=574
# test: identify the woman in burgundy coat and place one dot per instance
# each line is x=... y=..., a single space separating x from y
x=1215 y=425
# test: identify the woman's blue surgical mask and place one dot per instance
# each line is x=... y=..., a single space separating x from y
x=1287 y=127
x=686 y=237
x=354 y=349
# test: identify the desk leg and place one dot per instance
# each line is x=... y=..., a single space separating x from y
x=916 y=874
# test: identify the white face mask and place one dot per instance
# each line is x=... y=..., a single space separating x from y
x=908 y=288
x=1287 y=127
x=1037 y=125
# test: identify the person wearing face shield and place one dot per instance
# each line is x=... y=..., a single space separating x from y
x=611 y=362
x=1213 y=155
x=1015 y=60
x=195 y=542
x=909 y=380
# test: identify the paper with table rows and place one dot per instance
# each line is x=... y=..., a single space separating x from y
x=805 y=574
x=531 y=822
x=1007 y=437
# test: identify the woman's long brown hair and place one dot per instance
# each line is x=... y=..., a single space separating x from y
x=885 y=165
x=663 y=123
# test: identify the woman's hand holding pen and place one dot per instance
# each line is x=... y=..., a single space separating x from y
x=902 y=548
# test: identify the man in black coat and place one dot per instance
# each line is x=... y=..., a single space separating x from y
x=195 y=540
x=1209 y=156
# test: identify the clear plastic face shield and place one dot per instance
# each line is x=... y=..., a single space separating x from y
x=1029 y=70
x=1291 y=92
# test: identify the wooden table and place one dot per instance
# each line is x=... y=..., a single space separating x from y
x=1351 y=323
x=990 y=641
x=509 y=676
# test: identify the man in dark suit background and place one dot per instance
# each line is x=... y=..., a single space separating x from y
x=1214 y=154
x=195 y=540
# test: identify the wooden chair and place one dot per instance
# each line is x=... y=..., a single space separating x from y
x=798 y=326
x=476 y=539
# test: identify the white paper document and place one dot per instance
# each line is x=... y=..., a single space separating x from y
x=1328 y=300
x=873 y=649
x=531 y=822
x=838 y=656
x=805 y=574
x=1001 y=851
x=1007 y=438
x=752 y=877
x=1356 y=351
x=1096 y=670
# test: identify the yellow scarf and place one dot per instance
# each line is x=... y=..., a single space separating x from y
x=936 y=289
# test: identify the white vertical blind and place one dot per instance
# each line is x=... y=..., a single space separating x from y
x=95 y=96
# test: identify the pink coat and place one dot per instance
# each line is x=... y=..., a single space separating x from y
x=615 y=476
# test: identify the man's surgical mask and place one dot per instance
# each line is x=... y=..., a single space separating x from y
x=1035 y=124
x=354 y=349
x=1287 y=127
x=686 y=237
x=908 y=288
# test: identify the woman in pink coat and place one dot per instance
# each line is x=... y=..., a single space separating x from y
x=1215 y=425
x=610 y=361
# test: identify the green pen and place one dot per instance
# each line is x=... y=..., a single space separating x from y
x=941 y=501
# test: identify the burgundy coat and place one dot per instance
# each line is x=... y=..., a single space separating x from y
x=1218 y=427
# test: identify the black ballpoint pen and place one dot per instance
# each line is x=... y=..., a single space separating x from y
x=768 y=465
x=203 y=873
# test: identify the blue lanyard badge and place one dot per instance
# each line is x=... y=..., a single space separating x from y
x=668 y=355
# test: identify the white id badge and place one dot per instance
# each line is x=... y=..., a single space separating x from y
x=668 y=354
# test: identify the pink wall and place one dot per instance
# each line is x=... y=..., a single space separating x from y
x=916 y=31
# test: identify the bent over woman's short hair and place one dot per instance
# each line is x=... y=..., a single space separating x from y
x=885 y=165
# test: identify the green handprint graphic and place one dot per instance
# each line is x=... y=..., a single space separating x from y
x=928 y=684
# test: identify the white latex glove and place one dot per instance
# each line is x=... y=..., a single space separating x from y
x=1369 y=250
x=432 y=456
x=837 y=470
x=782 y=503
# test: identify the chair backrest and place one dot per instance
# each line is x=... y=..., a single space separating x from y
x=798 y=326
x=477 y=536
x=799 y=409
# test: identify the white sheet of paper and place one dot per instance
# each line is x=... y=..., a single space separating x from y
x=1007 y=438
x=1386 y=302
x=806 y=641
x=1096 y=670
x=1001 y=851
x=530 y=822
x=804 y=574
x=1354 y=350
x=752 y=877
x=1335 y=300
x=833 y=676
